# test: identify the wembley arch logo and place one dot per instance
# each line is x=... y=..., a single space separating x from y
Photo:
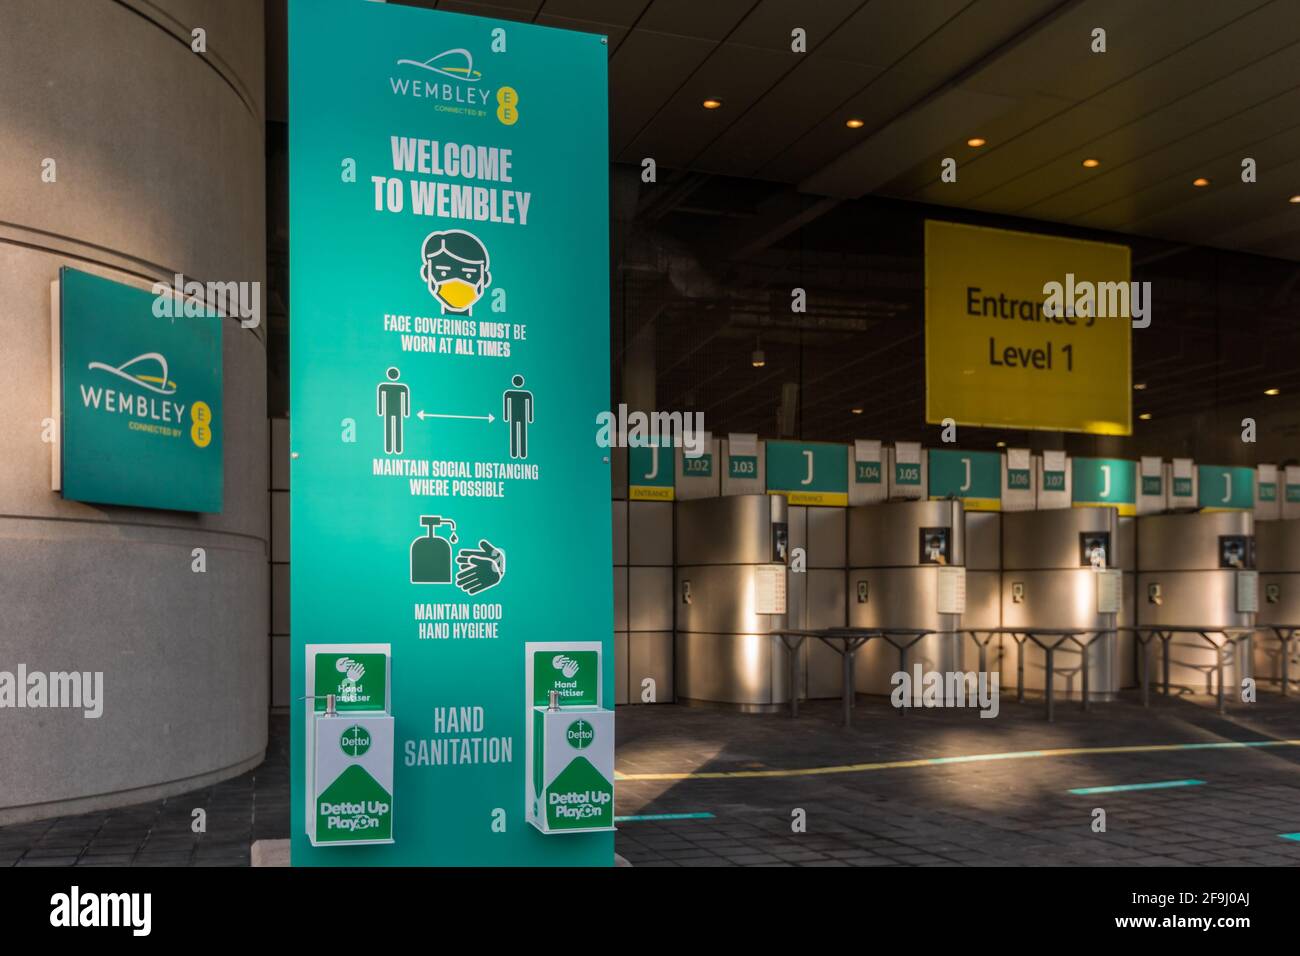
x=463 y=96
x=159 y=383
x=145 y=413
x=455 y=64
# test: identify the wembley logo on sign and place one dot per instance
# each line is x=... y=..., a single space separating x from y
x=461 y=95
x=148 y=414
x=139 y=398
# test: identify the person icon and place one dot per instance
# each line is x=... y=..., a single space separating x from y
x=517 y=412
x=392 y=403
x=454 y=265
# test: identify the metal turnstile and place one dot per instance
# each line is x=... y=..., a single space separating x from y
x=907 y=571
x=1195 y=577
x=1278 y=558
x=643 y=594
x=983 y=586
x=817 y=593
x=1060 y=569
x=731 y=558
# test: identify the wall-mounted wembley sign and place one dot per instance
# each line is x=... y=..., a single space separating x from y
x=137 y=398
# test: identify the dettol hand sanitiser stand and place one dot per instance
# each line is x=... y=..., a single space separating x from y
x=349 y=745
x=570 y=753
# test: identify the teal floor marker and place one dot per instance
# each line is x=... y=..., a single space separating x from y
x=1160 y=785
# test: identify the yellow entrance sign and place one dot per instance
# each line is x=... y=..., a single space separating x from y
x=1028 y=331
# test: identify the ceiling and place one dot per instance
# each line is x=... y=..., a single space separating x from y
x=1186 y=88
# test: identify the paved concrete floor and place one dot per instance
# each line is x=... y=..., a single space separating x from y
x=1000 y=812
x=253 y=806
x=1003 y=812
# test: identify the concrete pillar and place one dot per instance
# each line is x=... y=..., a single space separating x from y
x=160 y=169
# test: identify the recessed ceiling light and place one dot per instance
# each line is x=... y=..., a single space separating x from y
x=1295 y=198
x=975 y=142
x=1200 y=181
x=856 y=411
x=854 y=123
x=1145 y=416
x=1002 y=444
x=1091 y=163
x=1138 y=386
x=1272 y=391
x=711 y=103
x=758 y=359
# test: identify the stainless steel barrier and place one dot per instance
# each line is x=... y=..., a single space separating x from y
x=1057 y=636
x=1284 y=633
x=1231 y=636
x=847 y=641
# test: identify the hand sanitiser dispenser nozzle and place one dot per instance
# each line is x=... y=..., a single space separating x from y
x=349 y=759
x=570 y=748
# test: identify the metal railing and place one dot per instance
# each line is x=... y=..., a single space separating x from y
x=1041 y=636
x=1284 y=633
x=847 y=641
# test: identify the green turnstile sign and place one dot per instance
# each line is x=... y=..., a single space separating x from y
x=808 y=473
x=1225 y=488
x=650 y=473
x=699 y=467
x=973 y=476
x=1098 y=482
x=139 y=396
x=742 y=466
x=449 y=353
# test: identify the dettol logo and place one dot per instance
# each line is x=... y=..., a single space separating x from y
x=355 y=741
x=565 y=665
x=580 y=734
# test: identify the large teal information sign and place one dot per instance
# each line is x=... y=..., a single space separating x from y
x=140 y=397
x=450 y=347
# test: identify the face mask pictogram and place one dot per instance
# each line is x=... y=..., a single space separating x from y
x=456 y=294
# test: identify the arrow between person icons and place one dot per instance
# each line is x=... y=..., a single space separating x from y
x=422 y=415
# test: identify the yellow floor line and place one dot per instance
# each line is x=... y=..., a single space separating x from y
x=942 y=761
